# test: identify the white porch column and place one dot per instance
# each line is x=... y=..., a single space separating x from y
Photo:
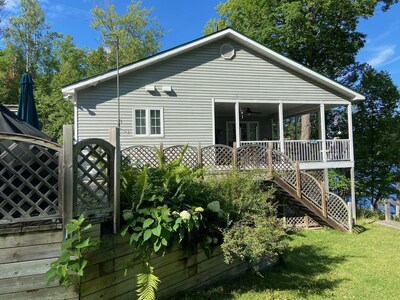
x=351 y=154
x=213 y=119
x=323 y=131
x=353 y=194
x=319 y=124
x=350 y=130
x=237 y=123
x=281 y=132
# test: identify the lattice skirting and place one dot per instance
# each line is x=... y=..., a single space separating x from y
x=300 y=222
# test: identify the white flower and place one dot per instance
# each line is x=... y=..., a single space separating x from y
x=185 y=215
x=214 y=206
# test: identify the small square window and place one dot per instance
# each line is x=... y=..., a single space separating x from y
x=148 y=121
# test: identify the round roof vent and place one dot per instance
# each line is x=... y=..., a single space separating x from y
x=227 y=51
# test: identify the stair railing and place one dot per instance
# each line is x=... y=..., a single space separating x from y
x=306 y=186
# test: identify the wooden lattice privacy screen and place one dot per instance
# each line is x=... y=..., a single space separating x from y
x=93 y=178
x=30 y=185
x=248 y=157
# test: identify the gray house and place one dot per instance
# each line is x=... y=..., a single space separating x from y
x=223 y=88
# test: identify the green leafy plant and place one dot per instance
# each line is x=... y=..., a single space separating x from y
x=171 y=204
x=72 y=261
x=253 y=233
x=163 y=205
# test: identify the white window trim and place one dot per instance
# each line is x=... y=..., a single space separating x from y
x=148 y=121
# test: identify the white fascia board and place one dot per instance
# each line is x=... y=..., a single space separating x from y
x=229 y=33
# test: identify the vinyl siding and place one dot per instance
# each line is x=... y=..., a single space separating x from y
x=196 y=77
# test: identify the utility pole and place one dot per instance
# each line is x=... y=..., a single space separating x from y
x=119 y=108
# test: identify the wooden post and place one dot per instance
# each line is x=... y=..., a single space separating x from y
x=234 y=153
x=68 y=174
x=115 y=141
x=398 y=209
x=306 y=221
x=199 y=156
x=161 y=148
x=387 y=211
x=284 y=214
x=350 y=216
x=270 y=164
x=323 y=202
x=298 y=179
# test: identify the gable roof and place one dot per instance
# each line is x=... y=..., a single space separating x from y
x=226 y=33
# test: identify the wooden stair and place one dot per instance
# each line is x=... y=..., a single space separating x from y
x=307 y=194
x=304 y=205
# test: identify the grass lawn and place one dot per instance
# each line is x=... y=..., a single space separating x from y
x=325 y=264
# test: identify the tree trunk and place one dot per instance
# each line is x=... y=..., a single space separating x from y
x=305 y=127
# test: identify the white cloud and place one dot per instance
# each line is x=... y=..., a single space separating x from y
x=11 y=5
x=383 y=55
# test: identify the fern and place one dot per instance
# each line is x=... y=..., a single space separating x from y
x=141 y=186
x=147 y=283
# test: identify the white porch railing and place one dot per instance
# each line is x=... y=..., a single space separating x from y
x=275 y=144
x=338 y=150
x=304 y=150
x=309 y=150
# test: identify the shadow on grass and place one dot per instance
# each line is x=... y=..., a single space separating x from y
x=359 y=229
x=300 y=276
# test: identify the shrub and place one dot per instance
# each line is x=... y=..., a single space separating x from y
x=254 y=233
x=173 y=204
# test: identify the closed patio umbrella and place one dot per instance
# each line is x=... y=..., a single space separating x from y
x=26 y=107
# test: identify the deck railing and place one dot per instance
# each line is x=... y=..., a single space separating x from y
x=304 y=150
x=309 y=150
x=338 y=150
x=251 y=157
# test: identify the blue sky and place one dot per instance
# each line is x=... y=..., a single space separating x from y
x=183 y=20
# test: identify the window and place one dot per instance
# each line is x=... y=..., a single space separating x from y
x=148 y=121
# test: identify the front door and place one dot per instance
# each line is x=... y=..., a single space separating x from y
x=248 y=131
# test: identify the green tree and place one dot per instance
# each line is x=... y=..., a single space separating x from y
x=321 y=34
x=97 y=61
x=54 y=110
x=10 y=71
x=377 y=136
x=30 y=33
x=139 y=34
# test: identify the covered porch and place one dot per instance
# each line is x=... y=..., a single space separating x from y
x=278 y=125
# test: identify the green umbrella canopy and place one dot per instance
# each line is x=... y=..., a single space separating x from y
x=26 y=107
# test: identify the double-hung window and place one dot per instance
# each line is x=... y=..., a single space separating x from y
x=148 y=121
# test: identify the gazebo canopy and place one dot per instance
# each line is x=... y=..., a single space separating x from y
x=10 y=123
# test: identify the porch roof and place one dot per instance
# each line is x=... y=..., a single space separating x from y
x=227 y=33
